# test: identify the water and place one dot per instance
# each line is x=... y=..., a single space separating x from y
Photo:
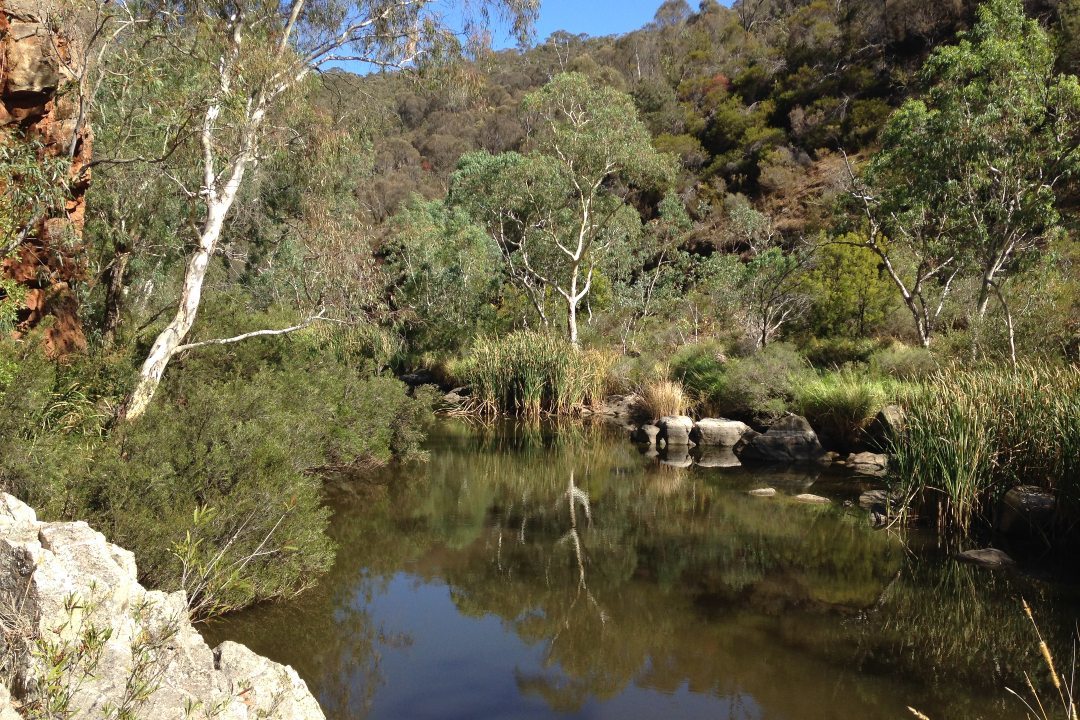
x=530 y=573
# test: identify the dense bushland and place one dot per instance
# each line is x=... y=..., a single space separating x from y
x=218 y=489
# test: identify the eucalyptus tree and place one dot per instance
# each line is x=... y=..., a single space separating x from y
x=967 y=177
x=247 y=56
x=557 y=209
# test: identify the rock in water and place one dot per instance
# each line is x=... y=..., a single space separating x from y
x=675 y=430
x=645 y=435
x=65 y=585
x=719 y=433
x=867 y=463
x=1026 y=508
x=986 y=557
x=763 y=492
x=811 y=499
x=789 y=440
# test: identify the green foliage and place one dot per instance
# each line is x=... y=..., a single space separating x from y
x=849 y=295
x=33 y=188
x=841 y=405
x=972 y=434
x=533 y=374
x=757 y=388
x=444 y=276
x=903 y=363
x=246 y=435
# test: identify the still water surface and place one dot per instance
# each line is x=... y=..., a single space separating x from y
x=543 y=573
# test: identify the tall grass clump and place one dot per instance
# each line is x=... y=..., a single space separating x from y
x=663 y=397
x=533 y=373
x=841 y=405
x=973 y=434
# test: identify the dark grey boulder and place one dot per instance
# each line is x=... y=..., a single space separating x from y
x=789 y=440
x=1026 y=509
x=886 y=427
x=868 y=463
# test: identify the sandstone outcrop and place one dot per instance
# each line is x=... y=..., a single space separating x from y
x=75 y=620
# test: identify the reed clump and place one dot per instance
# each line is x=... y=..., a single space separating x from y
x=841 y=405
x=532 y=374
x=973 y=434
x=663 y=397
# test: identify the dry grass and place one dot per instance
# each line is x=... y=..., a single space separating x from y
x=663 y=397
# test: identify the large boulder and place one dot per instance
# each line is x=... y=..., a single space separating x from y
x=1026 y=509
x=76 y=613
x=718 y=432
x=789 y=440
x=675 y=430
x=886 y=426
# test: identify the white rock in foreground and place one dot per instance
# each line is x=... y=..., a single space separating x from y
x=63 y=584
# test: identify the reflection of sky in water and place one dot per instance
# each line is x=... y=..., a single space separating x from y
x=461 y=668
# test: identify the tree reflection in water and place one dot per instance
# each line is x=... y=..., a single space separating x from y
x=621 y=583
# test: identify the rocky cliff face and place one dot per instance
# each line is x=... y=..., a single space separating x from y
x=42 y=58
x=78 y=629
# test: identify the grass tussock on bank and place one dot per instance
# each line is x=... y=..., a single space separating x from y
x=841 y=405
x=663 y=397
x=973 y=434
x=532 y=374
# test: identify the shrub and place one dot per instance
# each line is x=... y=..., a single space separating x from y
x=531 y=373
x=973 y=434
x=217 y=489
x=663 y=397
x=841 y=405
x=757 y=388
x=837 y=352
x=903 y=363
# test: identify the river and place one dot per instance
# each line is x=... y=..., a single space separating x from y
x=542 y=572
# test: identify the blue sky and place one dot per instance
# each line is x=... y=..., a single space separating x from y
x=595 y=17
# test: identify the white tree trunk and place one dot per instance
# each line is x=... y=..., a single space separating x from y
x=174 y=334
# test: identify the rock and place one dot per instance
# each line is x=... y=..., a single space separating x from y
x=720 y=433
x=987 y=557
x=789 y=440
x=867 y=463
x=675 y=430
x=763 y=492
x=619 y=406
x=886 y=426
x=645 y=435
x=1026 y=508
x=717 y=457
x=418 y=378
x=63 y=582
x=32 y=66
x=811 y=499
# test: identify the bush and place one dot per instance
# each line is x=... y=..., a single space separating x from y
x=903 y=363
x=972 y=434
x=837 y=352
x=757 y=389
x=841 y=405
x=532 y=374
x=217 y=489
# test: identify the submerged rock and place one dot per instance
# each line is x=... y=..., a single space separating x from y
x=812 y=499
x=789 y=440
x=718 y=432
x=69 y=589
x=986 y=557
x=868 y=463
